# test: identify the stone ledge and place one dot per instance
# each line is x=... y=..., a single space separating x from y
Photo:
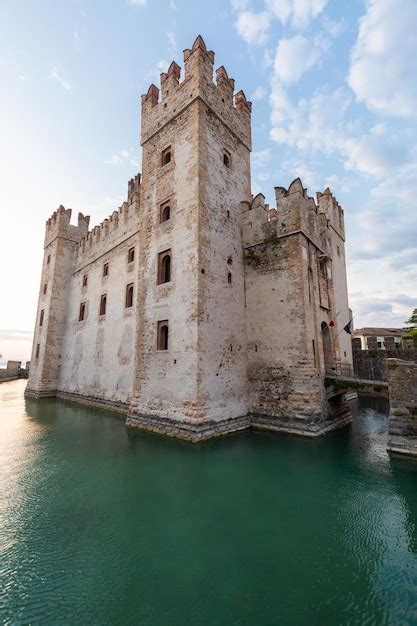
x=187 y=429
x=302 y=428
x=102 y=403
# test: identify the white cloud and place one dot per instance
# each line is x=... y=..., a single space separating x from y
x=299 y=12
x=321 y=124
x=383 y=70
x=253 y=27
x=126 y=156
x=173 y=48
x=261 y=157
x=55 y=74
x=296 y=55
x=333 y=27
x=259 y=94
x=138 y=3
x=240 y=5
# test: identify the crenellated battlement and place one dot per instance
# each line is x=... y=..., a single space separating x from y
x=161 y=105
x=295 y=211
x=118 y=226
x=59 y=225
x=329 y=205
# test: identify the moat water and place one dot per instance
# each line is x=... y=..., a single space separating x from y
x=104 y=525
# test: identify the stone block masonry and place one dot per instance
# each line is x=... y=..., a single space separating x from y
x=196 y=308
x=402 y=429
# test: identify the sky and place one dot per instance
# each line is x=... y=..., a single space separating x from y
x=334 y=91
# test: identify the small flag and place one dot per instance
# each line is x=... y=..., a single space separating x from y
x=348 y=328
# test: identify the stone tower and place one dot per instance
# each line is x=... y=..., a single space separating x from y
x=60 y=248
x=196 y=141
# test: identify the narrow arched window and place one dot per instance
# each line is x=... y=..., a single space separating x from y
x=165 y=213
x=166 y=156
x=129 y=295
x=162 y=340
x=41 y=318
x=103 y=304
x=164 y=267
x=81 y=314
x=226 y=158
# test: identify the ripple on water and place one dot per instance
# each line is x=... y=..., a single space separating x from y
x=105 y=526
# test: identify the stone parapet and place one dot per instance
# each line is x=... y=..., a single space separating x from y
x=402 y=428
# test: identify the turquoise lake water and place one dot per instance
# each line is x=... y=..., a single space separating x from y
x=104 y=525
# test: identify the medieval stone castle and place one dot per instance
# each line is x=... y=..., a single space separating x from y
x=196 y=308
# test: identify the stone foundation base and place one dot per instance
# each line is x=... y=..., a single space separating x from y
x=101 y=403
x=189 y=430
x=404 y=446
x=302 y=427
x=32 y=393
x=201 y=430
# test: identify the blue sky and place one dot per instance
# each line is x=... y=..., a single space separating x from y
x=334 y=91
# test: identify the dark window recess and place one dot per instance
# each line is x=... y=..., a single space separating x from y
x=38 y=347
x=85 y=280
x=82 y=312
x=229 y=260
x=166 y=156
x=131 y=255
x=106 y=269
x=48 y=260
x=129 y=296
x=226 y=158
x=41 y=318
x=165 y=212
x=228 y=215
x=45 y=287
x=162 y=340
x=103 y=304
x=229 y=277
x=164 y=267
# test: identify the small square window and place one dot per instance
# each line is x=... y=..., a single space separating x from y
x=166 y=156
x=85 y=280
x=131 y=255
x=106 y=269
x=103 y=304
x=129 y=296
x=82 y=312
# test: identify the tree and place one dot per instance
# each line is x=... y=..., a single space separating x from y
x=412 y=322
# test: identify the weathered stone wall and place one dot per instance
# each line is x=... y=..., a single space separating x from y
x=250 y=291
x=402 y=384
x=14 y=370
x=328 y=204
x=61 y=240
x=289 y=295
x=371 y=364
x=202 y=375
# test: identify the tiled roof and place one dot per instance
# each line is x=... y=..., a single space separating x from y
x=380 y=332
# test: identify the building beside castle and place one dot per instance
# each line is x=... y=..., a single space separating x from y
x=196 y=308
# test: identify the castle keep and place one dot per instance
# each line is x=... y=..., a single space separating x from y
x=196 y=308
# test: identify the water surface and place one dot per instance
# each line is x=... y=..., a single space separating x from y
x=104 y=525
